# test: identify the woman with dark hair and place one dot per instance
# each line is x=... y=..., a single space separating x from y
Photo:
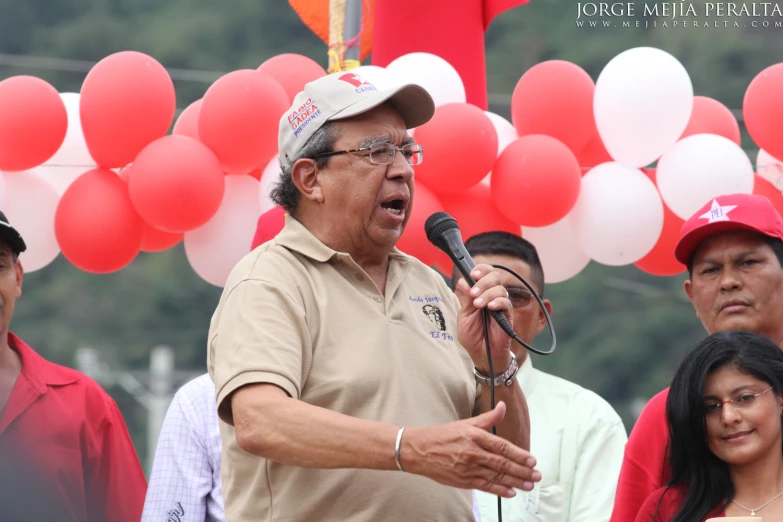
x=724 y=411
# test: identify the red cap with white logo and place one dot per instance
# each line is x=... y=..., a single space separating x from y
x=731 y=212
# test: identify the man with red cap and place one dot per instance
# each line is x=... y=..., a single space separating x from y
x=733 y=248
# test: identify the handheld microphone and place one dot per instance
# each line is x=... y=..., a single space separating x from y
x=443 y=232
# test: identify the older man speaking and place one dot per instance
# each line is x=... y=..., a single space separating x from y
x=340 y=399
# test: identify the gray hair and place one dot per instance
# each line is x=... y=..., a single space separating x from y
x=284 y=192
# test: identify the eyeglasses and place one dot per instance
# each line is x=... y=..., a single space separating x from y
x=742 y=401
x=384 y=153
x=519 y=296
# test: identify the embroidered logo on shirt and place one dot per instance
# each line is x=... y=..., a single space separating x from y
x=419 y=299
x=176 y=514
x=435 y=316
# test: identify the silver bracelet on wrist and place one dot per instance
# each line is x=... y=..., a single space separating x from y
x=397 y=449
x=507 y=377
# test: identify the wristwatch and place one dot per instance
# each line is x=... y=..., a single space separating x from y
x=507 y=377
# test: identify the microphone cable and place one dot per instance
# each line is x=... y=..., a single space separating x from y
x=515 y=337
x=486 y=318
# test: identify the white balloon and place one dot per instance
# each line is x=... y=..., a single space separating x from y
x=770 y=168
x=214 y=248
x=618 y=217
x=506 y=134
x=269 y=178
x=4 y=191
x=558 y=250
x=31 y=205
x=642 y=103
x=73 y=151
x=60 y=177
x=699 y=168
x=505 y=130
x=432 y=72
x=73 y=158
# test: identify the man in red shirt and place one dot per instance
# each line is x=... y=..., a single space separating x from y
x=733 y=248
x=65 y=453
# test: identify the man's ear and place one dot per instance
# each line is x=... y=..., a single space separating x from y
x=541 y=323
x=304 y=174
x=19 y=278
x=688 y=286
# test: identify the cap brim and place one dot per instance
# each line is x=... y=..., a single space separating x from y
x=12 y=237
x=688 y=243
x=412 y=101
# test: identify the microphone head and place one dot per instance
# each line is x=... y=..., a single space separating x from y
x=437 y=224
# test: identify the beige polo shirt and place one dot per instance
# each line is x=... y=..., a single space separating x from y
x=300 y=315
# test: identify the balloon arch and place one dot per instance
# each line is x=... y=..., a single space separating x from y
x=571 y=171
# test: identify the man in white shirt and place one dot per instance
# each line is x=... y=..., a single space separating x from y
x=577 y=437
x=184 y=484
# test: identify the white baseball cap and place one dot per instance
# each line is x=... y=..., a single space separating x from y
x=342 y=95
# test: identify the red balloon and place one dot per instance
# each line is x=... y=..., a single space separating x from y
x=97 y=228
x=475 y=212
x=460 y=146
x=155 y=240
x=292 y=72
x=256 y=173
x=414 y=240
x=712 y=117
x=555 y=98
x=536 y=181
x=127 y=101
x=762 y=187
x=270 y=223
x=239 y=119
x=594 y=153
x=187 y=123
x=176 y=184
x=33 y=122
x=660 y=260
x=762 y=110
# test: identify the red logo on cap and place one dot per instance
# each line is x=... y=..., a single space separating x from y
x=355 y=80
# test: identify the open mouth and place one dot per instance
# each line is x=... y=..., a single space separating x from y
x=394 y=206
